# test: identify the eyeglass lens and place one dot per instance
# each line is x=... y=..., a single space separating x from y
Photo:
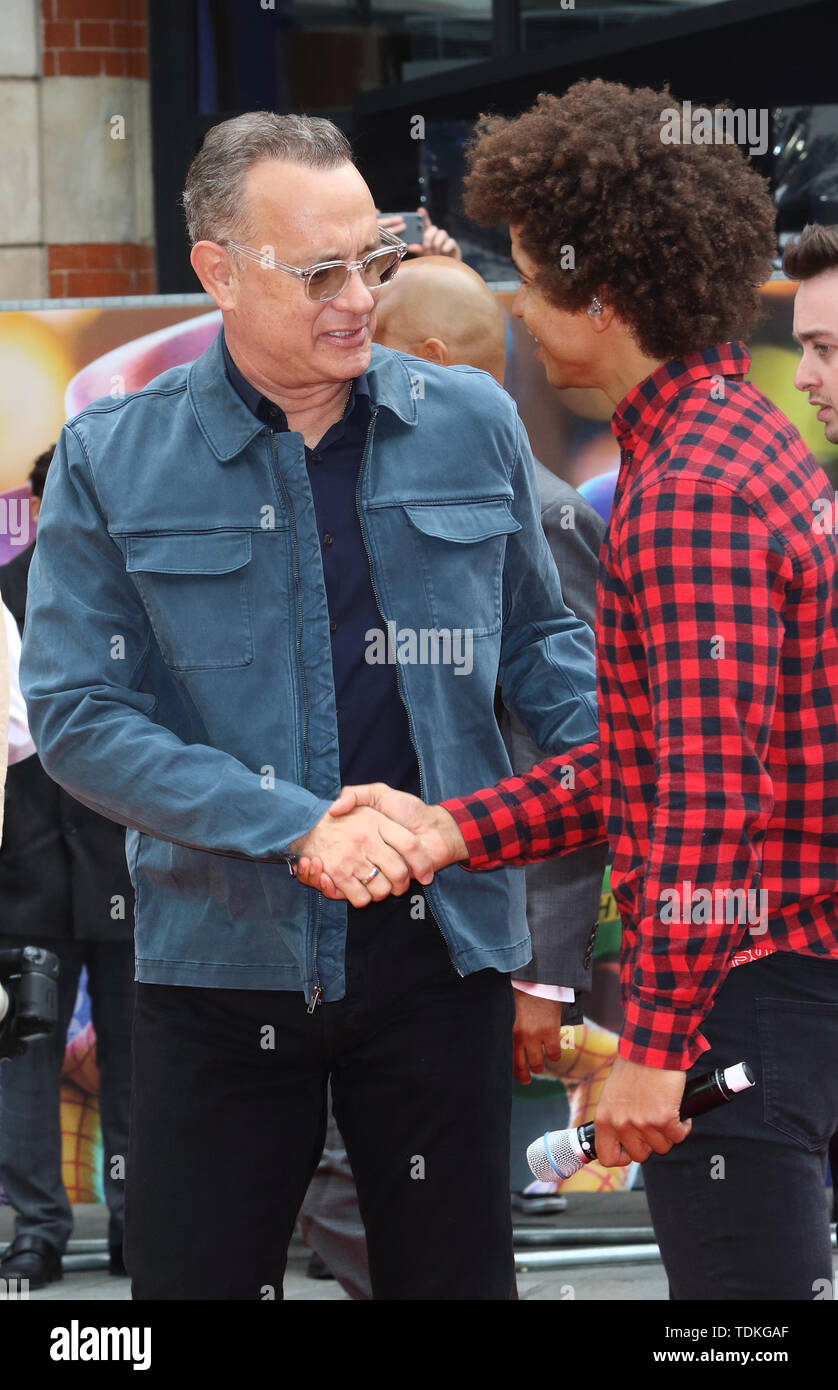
x=328 y=283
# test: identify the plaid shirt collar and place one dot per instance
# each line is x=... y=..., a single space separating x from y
x=639 y=415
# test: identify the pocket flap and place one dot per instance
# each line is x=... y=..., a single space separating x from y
x=463 y=521
x=188 y=552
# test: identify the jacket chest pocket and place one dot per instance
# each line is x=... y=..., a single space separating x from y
x=196 y=589
x=460 y=548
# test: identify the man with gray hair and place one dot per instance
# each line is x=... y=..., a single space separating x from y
x=212 y=554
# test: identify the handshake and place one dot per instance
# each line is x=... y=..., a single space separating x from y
x=372 y=842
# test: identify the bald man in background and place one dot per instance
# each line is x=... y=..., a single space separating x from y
x=440 y=310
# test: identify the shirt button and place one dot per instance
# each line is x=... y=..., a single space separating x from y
x=333 y=627
x=273 y=410
x=328 y=539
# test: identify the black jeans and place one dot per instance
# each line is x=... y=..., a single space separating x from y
x=229 y=1114
x=740 y=1207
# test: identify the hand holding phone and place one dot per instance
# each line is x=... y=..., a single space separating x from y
x=410 y=226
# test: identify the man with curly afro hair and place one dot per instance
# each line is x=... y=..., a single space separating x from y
x=715 y=774
x=673 y=239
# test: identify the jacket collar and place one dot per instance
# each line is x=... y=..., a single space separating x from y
x=228 y=425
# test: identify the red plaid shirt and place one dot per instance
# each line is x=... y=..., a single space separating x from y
x=717 y=670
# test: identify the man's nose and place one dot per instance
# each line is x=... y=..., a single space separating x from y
x=517 y=307
x=805 y=378
x=355 y=297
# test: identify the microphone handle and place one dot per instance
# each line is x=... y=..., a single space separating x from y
x=700 y=1094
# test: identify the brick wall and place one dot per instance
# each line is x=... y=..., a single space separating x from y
x=100 y=268
x=101 y=45
x=89 y=38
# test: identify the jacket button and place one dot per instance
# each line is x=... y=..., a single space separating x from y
x=328 y=539
x=333 y=627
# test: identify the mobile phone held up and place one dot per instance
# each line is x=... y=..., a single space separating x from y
x=415 y=229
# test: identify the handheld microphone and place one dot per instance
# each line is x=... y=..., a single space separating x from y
x=563 y=1152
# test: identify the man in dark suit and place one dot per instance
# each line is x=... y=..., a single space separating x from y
x=64 y=885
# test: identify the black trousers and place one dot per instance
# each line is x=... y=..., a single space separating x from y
x=228 y=1122
x=740 y=1208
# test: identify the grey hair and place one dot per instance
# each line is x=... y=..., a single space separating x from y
x=213 y=196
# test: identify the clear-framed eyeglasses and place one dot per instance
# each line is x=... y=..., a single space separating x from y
x=328 y=279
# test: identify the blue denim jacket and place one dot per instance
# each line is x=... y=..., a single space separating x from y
x=176 y=658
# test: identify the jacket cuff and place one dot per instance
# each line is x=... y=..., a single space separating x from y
x=659 y=1037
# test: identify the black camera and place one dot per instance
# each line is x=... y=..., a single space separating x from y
x=28 y=998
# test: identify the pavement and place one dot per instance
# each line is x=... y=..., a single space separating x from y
x=592 y=1241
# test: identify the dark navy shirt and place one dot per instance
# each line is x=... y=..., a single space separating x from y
x=373 y=728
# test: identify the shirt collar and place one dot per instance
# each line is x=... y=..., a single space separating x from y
x=228 y=425
x=637 y=417
x=262 y=406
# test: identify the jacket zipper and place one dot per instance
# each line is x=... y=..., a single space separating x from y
x=373 y=416
x=317 y=994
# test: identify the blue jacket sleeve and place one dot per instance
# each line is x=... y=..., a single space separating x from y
x=85 y=648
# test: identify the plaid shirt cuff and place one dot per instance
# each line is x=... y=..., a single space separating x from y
x=536 y=816
x=478 y=855
x=660 y=1037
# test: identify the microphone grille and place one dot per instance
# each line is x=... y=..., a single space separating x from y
x=564 y=1151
